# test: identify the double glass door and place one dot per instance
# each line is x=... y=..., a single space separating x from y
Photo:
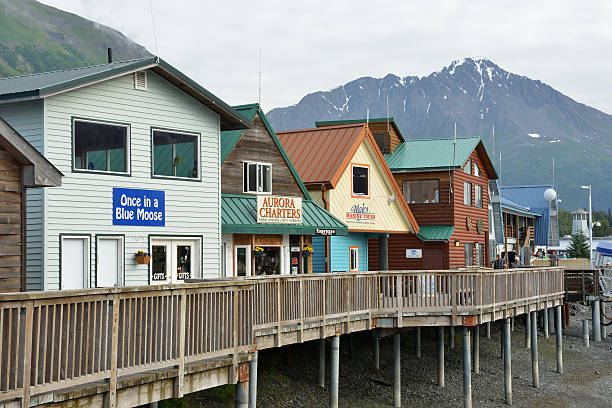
x=173 y=261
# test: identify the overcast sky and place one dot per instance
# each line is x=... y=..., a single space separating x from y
x=314 y=45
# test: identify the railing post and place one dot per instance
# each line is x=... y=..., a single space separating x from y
x=324 y=300
x=278 y=313
x=400 y=300
x=112 y=386
x=179 y=388
x=301 y=310
x=348 y=304
x=454 y=298
x=27 y=356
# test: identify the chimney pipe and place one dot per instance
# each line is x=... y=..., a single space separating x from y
x=110 y=55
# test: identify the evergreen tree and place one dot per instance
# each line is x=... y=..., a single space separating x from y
x=578 y=247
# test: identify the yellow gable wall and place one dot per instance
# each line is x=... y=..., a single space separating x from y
x=387 y=217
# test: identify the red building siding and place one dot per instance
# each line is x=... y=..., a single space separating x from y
x=461 y=212
x=398 y=243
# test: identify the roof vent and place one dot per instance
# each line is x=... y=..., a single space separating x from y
x=140 y=80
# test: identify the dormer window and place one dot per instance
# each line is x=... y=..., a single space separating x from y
x=257 y=178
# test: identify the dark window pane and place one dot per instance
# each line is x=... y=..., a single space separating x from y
x=381 y=141
x=183 y=262
x=252 y=177
x=430 y=190
x=175 y=154
x=360 y=180
x=241 y=261
x=100 y=147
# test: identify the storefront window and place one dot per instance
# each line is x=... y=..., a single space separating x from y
x=257 y=178
x=101 y=147
x=175 y=154
x=361 y=181
x=241 y=261
x=469 y=253
x=267 y=261
x=183 y=262
x=354 y=259
x=467 y=193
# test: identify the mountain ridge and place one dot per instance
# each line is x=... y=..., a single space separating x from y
x=37 y=38
x=531 y=119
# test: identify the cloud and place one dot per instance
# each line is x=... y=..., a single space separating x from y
x=313 y=45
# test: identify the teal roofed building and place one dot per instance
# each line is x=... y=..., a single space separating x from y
x=268 y=216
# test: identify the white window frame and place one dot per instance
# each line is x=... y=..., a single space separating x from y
x=353 y=193
x=249 y=255
x=128 y=162
x=178 y=132
x=355 y=249
x=120 y=260
x=259 y=166
x=86 y=258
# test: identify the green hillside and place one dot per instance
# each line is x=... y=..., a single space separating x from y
x=38 y=38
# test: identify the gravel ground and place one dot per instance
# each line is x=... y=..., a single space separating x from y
x=287 y=377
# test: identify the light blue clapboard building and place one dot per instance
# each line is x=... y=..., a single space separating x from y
x=138 y=144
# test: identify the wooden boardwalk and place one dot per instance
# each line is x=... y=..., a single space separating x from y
x=135 y=345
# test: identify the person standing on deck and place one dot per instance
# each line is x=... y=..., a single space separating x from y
x=499 y=263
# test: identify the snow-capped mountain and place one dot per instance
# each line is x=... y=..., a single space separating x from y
x=533 y=122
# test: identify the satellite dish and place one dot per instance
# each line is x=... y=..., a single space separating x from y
x=550 y=194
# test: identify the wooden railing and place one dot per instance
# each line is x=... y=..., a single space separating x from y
x=291 y=299
x=54 y=340
x=60 y=339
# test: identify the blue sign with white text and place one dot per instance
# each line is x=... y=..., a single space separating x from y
x=139 y=207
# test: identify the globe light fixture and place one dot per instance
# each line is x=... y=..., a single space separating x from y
x=550 y=194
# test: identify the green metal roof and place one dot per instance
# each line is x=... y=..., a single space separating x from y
x=37 y=86
x=239 y=216
x=229 y=139
x=436 y=232
x=431 y=154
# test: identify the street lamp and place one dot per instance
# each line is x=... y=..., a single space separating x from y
x=590 y=225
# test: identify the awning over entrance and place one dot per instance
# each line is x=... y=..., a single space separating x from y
x=436 y=232
x=239 y=216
